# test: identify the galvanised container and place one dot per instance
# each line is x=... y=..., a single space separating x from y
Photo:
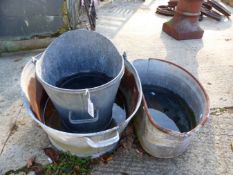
x=156 y=140
x=92 y=144
x=81 y=51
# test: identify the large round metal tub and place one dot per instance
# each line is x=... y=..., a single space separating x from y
x=156 y=140
x=82 y=145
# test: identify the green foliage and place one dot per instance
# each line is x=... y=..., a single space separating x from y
x=68 y=165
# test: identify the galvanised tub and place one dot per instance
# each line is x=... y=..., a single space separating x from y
x=81 y=144
x=156 y=140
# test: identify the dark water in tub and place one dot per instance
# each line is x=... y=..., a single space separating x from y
x=168 y=109
x=83 y=80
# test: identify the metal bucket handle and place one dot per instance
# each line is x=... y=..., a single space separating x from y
x=90 y=109
x=36 y=58
x=103 y=143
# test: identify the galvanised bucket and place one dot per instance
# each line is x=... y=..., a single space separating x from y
x=81 y=51
x=156 y=140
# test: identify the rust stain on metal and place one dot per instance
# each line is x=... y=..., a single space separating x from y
x=128 y=80
x=207 y=5
x=165 y=10
x=219 y=7
x=210 y=13
x=37 y=96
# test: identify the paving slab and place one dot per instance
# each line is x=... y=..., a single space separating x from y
x=20 y=137
x=209 y=153
x=134 y=27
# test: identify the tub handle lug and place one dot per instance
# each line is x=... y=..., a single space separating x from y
x=36 y=58
x=125 y=56
x=103 y=143
x=94 y=114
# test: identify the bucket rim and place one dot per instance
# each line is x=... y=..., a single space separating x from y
x=49 y=129
x=169 y=131
x=120 y=74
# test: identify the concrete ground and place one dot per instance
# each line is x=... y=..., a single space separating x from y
x=135 y=28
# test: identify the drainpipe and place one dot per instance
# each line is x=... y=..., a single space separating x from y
x=185 y=25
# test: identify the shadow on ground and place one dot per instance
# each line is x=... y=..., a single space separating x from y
x=182 y=53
